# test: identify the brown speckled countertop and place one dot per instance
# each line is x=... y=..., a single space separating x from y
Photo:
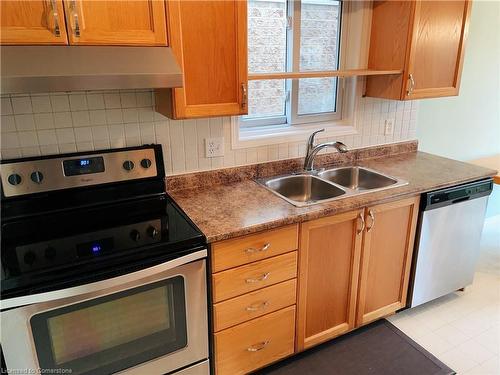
x=228 y=210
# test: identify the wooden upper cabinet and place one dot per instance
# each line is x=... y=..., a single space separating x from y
x=209 y=39
x=386 y=258
x=116 y=22
x=329 y=257
x=25 y=22
x=425 y=39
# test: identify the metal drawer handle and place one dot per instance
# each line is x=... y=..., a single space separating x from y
x=55 y=15
x=412 y=85
x=254 y=250
x=244 y=95
x=262 y=278
x=362 y=217
x=372 y=217
x=257 y=306
x=259 y=346
x=76 y=30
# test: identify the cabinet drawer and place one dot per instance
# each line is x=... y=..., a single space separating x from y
x=252 y=305
x=251 y=345
x=253 y=276
x=247 y=249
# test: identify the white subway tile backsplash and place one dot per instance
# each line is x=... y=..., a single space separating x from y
x=95 y=120
x=128 y=100
x=63 y=120
x=10 y=141
x=114 y=116
x=95 y=101
x=78 y=102
x=41 y=104
x=24 y=122
x=65 y=135
x=28 y=139
x=47 y=137
x=44 y=120
x=60 y=102
x=100 y=133
x=80 y=118
x=7 y=124
x=97 y=117
x=112 y=100
x=6 y=106
x=83 y=134
x=21 y=104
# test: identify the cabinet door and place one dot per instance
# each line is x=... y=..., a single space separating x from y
x=437 y=49
x=116 y=22
x=32 y=22
x=209 y=39
x=386 y=258
x=329 y=256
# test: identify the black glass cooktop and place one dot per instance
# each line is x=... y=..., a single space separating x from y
x=49 y=251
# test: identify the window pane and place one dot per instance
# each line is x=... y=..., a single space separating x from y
x=319 y=50
x=266 y=54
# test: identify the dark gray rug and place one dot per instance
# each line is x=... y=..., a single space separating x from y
x=377 y=349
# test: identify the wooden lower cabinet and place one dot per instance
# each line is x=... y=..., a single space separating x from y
x=256 y=343
x=329 y=254
x=386 y=258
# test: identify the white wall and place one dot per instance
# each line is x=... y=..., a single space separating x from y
x=468 y=126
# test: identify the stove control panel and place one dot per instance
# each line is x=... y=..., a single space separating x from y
x=68 y=250
x=64 y=172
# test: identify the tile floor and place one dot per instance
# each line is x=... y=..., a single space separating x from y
x=463 y=329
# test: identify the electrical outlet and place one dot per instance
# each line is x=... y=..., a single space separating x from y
x=389 y=127
x=214 y=147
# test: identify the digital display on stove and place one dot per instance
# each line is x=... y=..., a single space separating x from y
x=95 y=247
x=76 y=167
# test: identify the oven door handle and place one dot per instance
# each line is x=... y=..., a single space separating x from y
x=103 y=284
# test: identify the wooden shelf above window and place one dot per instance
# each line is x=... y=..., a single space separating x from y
x=322 y=74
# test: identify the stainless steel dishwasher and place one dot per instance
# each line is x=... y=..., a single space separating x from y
x=449 y=234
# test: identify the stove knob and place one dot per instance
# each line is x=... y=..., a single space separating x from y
x=14 y=179
x=135 y=235
x=145 y=163
x=128 y=165
x=50 y=253
x=37 y=177
x=29 y=258
x=153 y=232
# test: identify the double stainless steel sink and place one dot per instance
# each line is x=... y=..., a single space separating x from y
x=305 y=189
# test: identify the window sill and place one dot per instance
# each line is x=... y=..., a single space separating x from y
x=244 y=138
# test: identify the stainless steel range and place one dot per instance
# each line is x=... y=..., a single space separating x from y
x=101 y=271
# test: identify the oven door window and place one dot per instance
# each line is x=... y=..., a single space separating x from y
x=114 y=332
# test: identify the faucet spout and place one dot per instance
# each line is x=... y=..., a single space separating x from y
x=312 y=150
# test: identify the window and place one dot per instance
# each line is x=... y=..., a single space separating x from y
x=278 y=42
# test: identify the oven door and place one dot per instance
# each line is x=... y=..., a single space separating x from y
x=151 y=321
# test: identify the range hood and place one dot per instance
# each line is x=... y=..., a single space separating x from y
x=69 y=68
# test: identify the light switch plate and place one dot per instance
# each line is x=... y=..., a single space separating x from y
x=214 y=147
x=389 y=127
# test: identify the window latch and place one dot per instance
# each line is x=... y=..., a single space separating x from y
x=289 y=22
x=287 y=96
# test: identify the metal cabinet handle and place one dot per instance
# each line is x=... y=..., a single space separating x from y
x=259 y=346
x=258 y=279
x=55 y=16
x=257 y=306
x=372 y=217
x=244 y=95
x=362 y=217
x=254 y=250
x=412 y=85
x=74 y=13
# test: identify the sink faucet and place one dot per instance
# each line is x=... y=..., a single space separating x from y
x=312 y=150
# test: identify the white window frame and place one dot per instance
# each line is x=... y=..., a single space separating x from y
x=354 y=36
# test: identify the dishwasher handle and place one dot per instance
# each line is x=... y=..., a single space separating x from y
x=456 y=194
